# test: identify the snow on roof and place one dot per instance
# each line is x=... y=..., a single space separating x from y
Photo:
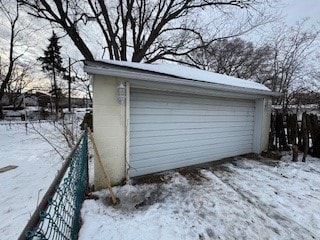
x=190 y=73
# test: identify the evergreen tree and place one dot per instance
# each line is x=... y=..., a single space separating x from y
x=52 y=64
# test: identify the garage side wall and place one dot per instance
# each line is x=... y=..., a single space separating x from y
x=109 y=130
x=266 y=124
x=261 y=125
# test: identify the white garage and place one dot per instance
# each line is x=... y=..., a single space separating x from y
x=149 y=118
x=175 y=130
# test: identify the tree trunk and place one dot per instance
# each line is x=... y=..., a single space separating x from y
x=55 y=91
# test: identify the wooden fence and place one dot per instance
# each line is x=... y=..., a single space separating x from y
x=286 y=133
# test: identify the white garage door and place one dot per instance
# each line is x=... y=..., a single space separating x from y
x=174 y=130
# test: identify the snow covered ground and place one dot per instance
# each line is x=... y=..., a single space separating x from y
x=22 y=188
x=245 y=199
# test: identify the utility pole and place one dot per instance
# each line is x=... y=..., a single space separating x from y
x=69 y=87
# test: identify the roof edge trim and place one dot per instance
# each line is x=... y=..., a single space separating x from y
x=129 y=73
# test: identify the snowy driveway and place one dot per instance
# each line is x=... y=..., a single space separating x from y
x=245 y=199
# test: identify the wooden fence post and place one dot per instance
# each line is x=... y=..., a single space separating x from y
x=280 y=132
x=313 y=127
x=290 y=129
x=285 y=129
x=292 y=132
x=305 y=136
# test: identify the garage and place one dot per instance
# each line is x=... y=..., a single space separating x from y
x=148 y=118
x=176 y=130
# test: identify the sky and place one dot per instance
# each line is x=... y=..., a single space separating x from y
x=298 y=9
x=293 y=11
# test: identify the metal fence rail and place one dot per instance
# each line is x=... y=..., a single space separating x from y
x=57 y=216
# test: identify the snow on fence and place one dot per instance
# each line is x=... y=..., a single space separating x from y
x=286 y=131
x=58 y=214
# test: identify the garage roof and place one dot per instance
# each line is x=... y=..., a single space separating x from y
x=174 y=71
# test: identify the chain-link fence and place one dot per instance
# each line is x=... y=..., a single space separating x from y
x=58 y=215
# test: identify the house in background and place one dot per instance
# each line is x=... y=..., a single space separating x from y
x=39 y=105
x=149 y=118
x=41 y=99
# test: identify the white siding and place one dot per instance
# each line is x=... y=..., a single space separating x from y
x=170 y=130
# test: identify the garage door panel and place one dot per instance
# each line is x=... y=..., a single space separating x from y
x=190 y=118
x=154 y=140
x=177 y=145
x=191 y=131
x=191 y=125
x=168 y=99
x=212 y=111
x=172 y=154
x=203 y=114
x=156 y=165
x=177 y=106
x=187 y=156
x=169 y=130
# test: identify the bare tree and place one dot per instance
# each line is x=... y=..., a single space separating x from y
x=282 y=63
x=235 y=57
x=7 y=69
x=315 y=75
x=291 y=49
x=146 y=30
x=20 y=78
x=79 y=79
x=83 y=84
